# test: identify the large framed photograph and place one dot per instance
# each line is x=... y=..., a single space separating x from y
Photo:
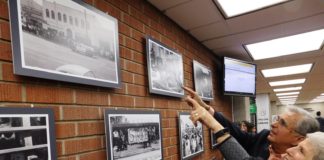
x=203 y=81
x=191 y=137
x=27 y=133
x=133 y=135
x=64 y=40
x=165 y=69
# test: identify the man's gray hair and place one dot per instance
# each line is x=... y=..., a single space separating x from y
x=317 y=140
x=307 y=123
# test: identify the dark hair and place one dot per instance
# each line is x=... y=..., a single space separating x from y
x=318 y=113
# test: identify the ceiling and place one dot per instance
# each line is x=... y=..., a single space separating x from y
x=226 y=37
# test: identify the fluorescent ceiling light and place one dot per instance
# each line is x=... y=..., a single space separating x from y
x=287 y=89
x=299 y=43
x=286 y=94
x=322 y=94
x=287 y=82
x=288 y=97
x=236 y=7
x=304 y=68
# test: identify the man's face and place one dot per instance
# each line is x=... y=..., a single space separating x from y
x=304 y=151
x=283 y=129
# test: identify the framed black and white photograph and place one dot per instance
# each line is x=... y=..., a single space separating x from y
x=191 y=137
x=213 y=142
x=65 y=40
x=203 y=81
x=133 y=134
x=165 y=69
x=27 y=133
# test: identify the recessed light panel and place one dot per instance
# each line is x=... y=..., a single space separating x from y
x=286 y=94
x=283 y=97
x=283 y=71
x=237 y=7
x=287 y=89
x=299 y=43
x=287 y=82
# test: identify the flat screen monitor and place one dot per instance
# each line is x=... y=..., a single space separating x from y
x=239 y=77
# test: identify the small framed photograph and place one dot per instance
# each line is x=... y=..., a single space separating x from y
x=132 y=134
x=165 y=69
x=66 y=41
x=191 y=137
x=203 y=81
x=27 y=133
x=213 y=142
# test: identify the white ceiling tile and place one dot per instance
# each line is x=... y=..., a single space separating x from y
x=165 y=4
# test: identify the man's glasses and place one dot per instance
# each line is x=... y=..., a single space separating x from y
x=283 y=123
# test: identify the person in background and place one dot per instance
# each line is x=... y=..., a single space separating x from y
x=311 y=148
x=246 y=126
x=287 y=131
x=320 y=120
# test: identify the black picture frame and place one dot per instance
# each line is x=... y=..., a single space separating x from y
x=165 y=69
x=213 y=142
x=63 y=40
x=133 y=133
x=27 y=133
x=191 y=137
x=203 y=79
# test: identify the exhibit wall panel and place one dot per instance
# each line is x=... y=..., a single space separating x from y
x=79 y=109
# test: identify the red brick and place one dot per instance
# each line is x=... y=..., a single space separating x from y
x=91 y=97
x=91 y=128
x=10 y=92
x=5 y=51
x=136 y=24
x=65 y=130
x=4 y=30
x=96 y=155
x=144 y=102
x=82 y=145
x=160 y=103
x=136 y=90
x=59 y=148
x=134 y=67
x=68 y=158
x=165 y=123
x=166 y=143
x=140 y=79
x=121 y=100
x=4 y=13
x=48 y=94
x=127 y=76
x=124 y=29
x=139 y=58
x=7 y=73
x=121 y=90
x=107 y=8
x=126 y=53
x=80 y=113
x=138 y=35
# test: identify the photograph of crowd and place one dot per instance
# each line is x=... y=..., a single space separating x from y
x=191 y=137
x=203 y=81
x=165 y=68
x=65 y=40
x=133 y=135
x=24 y=136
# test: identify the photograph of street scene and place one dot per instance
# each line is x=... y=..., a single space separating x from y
x=165 y=70
x=135 y=137
x=191 y=137
x=64 y=37
x=203 y=81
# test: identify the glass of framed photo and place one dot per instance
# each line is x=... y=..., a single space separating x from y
x=133 y=134
x=203 y=81
x=27 y=133
x=165 y=69
x=191 y=137
x=65 y=40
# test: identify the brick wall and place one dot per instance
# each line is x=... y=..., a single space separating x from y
x=79 y=108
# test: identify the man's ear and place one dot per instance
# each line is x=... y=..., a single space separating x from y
x=298 y=139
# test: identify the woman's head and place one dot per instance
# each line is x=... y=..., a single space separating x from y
x=312 y=148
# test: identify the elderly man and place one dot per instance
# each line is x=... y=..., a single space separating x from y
x=287 y=131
